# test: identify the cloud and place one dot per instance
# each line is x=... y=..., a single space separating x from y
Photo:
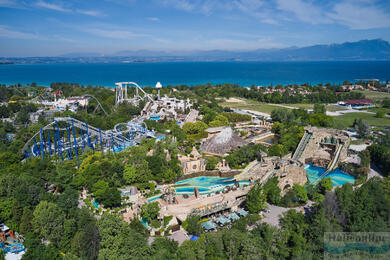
x=52 y=6
x=114 y=34
x=153 y=19
x=10 y=4
x=257 y=9
x=91 y=13
x=5 y=32
x=303 y=10
x=205 y=7
x=361 y=15
x=185 y=5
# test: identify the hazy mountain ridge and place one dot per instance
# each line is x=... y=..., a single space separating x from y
x=362 y=50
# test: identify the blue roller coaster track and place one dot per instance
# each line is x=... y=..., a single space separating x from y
x=67 y=138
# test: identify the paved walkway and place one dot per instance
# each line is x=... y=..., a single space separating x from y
x=178 y=236
x=274 y=213
x=374 y=172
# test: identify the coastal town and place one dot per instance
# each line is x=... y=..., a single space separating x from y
x=181 y=163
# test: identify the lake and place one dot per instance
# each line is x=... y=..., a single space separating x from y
x=193 y=73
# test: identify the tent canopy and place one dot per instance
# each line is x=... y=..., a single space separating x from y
x=209 y=225
x=242 y=212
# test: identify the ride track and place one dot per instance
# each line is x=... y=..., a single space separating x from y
x=68 y=137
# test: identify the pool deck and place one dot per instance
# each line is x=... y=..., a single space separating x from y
x=184 y=206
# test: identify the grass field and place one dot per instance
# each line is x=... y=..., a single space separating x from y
x=261 y=107
x=374 y=95
x=267 y=108
x=376 y=109
x=341 y=122
x=346 y=120
x=250 y=105
x=334 y=108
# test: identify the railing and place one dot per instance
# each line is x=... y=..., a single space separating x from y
x=302 y=145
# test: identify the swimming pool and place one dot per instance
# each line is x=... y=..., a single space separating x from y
x=205 y=185
x=338 y=176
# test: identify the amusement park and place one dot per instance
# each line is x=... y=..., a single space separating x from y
x=177 y=165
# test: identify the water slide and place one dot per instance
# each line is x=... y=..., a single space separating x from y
x=302 y=145
x=333 y=164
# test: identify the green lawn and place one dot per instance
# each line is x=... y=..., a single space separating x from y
x=250 y=105
x=346 y=120
x=376 y=109
x=334 y=108
x=305 y=106
x=261 y=107
x=374 y=95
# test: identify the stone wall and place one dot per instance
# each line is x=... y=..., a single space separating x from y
x=289 y=175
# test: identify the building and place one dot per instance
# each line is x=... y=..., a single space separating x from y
x=352 y=103
x=193 y=163
x=71 y=103
x=166 y=108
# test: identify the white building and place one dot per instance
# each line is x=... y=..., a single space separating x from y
x=71 y=103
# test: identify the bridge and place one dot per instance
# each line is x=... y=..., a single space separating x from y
x=67 y=137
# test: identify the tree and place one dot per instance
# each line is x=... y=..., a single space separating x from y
x=150 y=211
x=118 y=240
x=194 y=226
x=300 y=191
x=362 y=127
x=194 y=128
x=23 y=117
x=380 y=114
x=383 y=140
x=319 y=108
x=276 y=150
x=130 y=174
x=256 y=198
x=364 y=158
x=386 y=103
x=272 y=191
x=108 y=196
x=163 y=248
x=211 y=163
x=219 y=120
x=325 y=185
x=4 y=112
x=294 y=226
x=48 y=221
x=282 y=115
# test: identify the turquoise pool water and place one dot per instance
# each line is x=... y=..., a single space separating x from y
x=145 y=223
x=205 y=185
x=96 y=204
x=338 y=177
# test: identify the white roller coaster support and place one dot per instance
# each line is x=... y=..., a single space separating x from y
x=99 y=104
x=121 y=92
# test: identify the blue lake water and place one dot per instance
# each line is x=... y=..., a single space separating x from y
x=193 y=73
x=338 y=177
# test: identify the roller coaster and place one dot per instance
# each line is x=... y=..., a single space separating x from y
x=67 y=138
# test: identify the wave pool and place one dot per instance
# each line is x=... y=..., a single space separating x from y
x=338 y=177
x=205 y=185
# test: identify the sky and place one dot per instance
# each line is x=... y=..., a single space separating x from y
x=57 y=27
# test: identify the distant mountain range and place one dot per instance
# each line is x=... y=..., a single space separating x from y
x=349 y=51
